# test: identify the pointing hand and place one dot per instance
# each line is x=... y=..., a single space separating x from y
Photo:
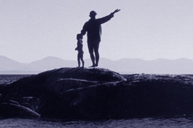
x=117 y=10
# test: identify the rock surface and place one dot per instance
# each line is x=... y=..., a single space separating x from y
x=94 y=93
x=12 y=110
x=49 y=88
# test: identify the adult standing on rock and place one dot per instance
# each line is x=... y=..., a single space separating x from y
x=93 y=29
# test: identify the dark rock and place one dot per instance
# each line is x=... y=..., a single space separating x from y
x=59 y=80
x=30 y=102
x=12 y=110
x=13 y=102
x=81 y=93
x=49 y=88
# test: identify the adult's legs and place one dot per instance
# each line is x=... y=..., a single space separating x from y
x=96 y=50
x=91 y=50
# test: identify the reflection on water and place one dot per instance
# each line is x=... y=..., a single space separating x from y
x=130 y=123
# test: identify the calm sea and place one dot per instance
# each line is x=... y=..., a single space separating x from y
x=10 y=78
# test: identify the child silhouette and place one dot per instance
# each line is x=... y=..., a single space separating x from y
x=79 y=49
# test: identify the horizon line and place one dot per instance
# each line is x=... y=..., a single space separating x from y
x=100 y=58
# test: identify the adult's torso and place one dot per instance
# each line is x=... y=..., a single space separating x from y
x=93 y=30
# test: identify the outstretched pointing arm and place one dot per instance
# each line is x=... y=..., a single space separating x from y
x=107 y=18
x=117 y=10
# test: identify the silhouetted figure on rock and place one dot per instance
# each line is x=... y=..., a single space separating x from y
x=93 y=29
x=80 y=50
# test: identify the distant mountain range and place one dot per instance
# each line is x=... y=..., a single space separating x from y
x=123 y=66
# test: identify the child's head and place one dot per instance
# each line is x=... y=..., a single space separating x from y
x=79 y=36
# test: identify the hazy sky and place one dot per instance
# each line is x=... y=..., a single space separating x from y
x=146 y=29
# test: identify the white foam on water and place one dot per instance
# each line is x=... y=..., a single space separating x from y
x=130 y=123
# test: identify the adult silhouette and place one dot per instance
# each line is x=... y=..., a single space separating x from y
x=93 y=30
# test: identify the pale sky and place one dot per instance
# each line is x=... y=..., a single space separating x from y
x=146 y=29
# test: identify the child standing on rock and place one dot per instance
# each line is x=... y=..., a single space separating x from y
x=79 y=49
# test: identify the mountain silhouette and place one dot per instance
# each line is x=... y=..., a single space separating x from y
x=123 y=66
x=8 y=65
x=50 y=62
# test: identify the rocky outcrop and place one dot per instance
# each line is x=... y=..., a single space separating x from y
x=60 y=80
x=94 y=93
x=49 y=88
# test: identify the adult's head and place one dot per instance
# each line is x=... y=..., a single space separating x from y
x=92 y=14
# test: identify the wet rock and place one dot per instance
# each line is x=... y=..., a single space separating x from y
x=94 y=93
x=30 y=102
x=12 y=110
x=59 y=80
x=49 y=89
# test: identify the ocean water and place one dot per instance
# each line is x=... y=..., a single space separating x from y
x=129 y=123
x=8 y=79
